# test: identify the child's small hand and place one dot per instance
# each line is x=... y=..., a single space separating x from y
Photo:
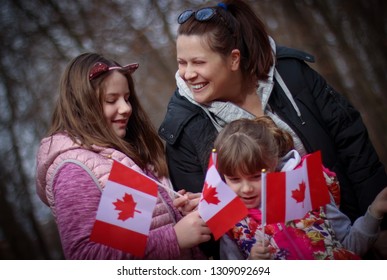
x=188 y=202
x=379 y=206
x=260 y=251
x=191 y=230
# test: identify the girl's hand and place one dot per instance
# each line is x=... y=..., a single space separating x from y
x=260 y=251
x=379 y=206
x=191 y=231
x=187 y=203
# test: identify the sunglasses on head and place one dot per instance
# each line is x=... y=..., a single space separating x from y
x=100 y=68
x=203 y=14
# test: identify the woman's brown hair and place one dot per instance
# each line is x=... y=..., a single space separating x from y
x=79 y=113
x=235 y=27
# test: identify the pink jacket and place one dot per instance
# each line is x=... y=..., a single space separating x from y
x=70 y=180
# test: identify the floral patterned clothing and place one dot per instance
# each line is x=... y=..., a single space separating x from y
x=311 y=237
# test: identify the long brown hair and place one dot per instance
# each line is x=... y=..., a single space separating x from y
x=236 y=27
x=246 y=146
x=79 y=113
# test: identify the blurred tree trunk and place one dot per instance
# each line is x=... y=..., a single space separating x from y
x=38 y=38
x=19 y=243
x=23 y=245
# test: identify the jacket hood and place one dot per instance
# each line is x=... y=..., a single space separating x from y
x=50 y=148
x=289 y=161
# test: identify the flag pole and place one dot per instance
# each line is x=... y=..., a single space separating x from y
x=167 y=188
x=159 y=184
x=263 y=202
x=214 y=156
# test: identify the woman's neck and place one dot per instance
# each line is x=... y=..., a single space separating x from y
x=250 y=101
x=253 y=104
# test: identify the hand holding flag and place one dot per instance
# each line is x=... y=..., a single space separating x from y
x=187 y=202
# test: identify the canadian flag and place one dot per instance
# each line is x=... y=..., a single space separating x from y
x=125 y=210
x=219 y=206
x=290 y=195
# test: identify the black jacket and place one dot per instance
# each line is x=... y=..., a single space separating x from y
x=331 y=125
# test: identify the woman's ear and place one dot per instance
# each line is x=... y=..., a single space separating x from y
x=235 y=59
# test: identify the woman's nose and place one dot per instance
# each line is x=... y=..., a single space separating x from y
x=189 y=73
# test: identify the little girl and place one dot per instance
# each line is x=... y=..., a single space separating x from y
x=245 y=147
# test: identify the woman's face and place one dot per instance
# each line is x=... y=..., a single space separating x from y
x=116 y=106
x=247 y=187
x=208 y=75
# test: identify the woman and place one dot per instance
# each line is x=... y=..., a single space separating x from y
x=98 y=119
x=229 y=68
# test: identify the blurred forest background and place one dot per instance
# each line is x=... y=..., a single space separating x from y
x=39 y=37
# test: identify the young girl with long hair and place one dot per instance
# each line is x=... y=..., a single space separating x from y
x=98 y=119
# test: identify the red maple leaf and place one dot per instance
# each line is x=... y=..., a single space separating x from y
x=127 y=207
x=209 y=194
x=299 y=194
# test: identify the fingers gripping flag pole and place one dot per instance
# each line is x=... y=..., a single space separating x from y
x=125 y=211
x=219 y=206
